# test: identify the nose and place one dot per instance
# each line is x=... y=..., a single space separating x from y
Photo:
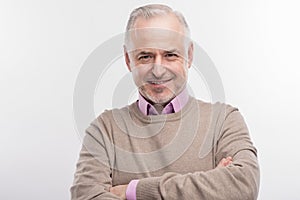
x=158 y=69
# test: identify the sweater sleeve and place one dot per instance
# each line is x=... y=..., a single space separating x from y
x=239 y=180
x=92 y=178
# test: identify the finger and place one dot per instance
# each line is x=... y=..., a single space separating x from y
x=228 y=161
x=222 y=163
x=229 y=158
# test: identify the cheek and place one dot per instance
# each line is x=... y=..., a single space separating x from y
x=179 y=70
x=139 y=74
x=136 y=77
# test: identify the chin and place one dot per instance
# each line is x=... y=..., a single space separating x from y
x=160 y=97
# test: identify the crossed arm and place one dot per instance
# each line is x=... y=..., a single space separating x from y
x=120 y=190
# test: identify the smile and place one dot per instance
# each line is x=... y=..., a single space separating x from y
x=159 y=82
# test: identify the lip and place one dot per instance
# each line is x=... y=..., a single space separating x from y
x=158 y=82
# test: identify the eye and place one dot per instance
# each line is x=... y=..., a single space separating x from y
x=145 y=57
x=171 y=56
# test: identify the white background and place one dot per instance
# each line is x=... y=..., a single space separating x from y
x=43 y=44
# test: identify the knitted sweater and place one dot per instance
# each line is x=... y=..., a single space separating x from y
x=174 y=156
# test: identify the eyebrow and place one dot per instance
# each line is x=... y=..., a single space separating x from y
x=172 y=51
x=144 y=52
x=149 y=52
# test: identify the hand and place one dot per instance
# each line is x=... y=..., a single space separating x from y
x=119 y=190
x=225 y=162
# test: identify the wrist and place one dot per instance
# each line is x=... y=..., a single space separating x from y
x=131 y=190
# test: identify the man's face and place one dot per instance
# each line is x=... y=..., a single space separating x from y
x=159 y=57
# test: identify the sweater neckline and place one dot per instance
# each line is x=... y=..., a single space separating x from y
x=134 y=109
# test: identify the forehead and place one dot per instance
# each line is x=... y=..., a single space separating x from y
x=161 y=32
x=156 y=39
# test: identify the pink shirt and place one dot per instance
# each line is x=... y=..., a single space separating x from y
x=147 y=109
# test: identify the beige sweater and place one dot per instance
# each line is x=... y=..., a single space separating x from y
x=174 y=156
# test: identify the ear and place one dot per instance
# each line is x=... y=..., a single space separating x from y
x=190 y=54
x=127 y=60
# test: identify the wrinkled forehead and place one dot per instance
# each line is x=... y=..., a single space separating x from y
x=155 y=38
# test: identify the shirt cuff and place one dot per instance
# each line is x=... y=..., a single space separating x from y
x=131 y=190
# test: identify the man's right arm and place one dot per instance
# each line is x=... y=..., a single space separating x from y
x=93 y=175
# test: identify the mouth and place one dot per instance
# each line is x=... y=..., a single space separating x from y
x=158 y=82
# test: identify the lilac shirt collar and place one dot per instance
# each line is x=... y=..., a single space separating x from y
x=174 y=106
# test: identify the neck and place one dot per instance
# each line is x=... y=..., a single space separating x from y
x=159 y=107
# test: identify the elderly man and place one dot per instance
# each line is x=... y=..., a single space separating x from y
x=166 y=145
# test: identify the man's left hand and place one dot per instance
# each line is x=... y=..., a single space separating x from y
x=119 y=190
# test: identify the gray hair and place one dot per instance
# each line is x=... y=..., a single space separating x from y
x=152 y=10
